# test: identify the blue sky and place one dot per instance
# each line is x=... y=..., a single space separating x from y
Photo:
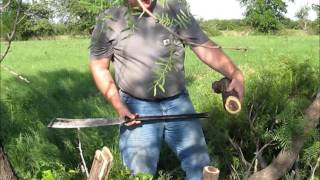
x=231 y=9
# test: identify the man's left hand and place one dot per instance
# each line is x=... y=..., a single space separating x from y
x=237 y=84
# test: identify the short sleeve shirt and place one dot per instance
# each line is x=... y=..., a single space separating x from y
x=145 y=55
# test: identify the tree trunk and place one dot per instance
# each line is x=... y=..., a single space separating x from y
x=6 y=172
x=286 y=158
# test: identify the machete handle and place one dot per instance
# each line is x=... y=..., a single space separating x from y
x=230 y=99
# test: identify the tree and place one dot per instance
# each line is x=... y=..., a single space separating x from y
x=264 y=15
x=302 y=15
x=316 y=23
x=80 y=16
x=35 y=19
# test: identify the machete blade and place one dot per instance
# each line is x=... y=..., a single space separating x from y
x=83 y=123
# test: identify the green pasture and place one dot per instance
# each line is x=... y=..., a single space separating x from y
x=61 y=86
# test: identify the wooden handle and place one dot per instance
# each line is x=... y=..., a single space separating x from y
x=230 y=99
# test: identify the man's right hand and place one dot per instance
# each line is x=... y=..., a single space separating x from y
x=125 y=113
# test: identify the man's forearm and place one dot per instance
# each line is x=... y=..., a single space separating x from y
x=218 y=60
x=105 y=84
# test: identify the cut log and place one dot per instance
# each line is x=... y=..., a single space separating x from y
x=210 y=173
x=6 y=171
x=101 y=165
x=230 y=99
x=286 y=158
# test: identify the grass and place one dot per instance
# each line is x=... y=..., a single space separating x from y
x=61 y=85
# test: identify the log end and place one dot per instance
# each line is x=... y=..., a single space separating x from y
x=233 y=105
x=210 y=173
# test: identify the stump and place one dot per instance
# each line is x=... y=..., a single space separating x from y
x=101 y=165
x=210 y=173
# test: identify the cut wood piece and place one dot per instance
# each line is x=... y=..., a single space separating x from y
x=210 y=173
x=101 y=165
x=232 y=105
x=108 y=158
x=230 y=99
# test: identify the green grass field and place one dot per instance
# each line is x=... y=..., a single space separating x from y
x=61 y=86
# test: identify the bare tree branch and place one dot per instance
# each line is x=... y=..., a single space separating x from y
x=238 y=148
x=81 y=154
x=315 y=168
x=286 y=158
x=12 y=34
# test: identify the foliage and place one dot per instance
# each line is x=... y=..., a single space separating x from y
x=264 y=16
x=33 y=21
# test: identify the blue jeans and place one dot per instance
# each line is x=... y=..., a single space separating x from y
x=140 y=145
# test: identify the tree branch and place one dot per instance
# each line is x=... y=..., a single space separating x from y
x=5 y=6
x=315 y=168
x=238 y=148
x=13 y=32
x=81 y=155
x=286 y=158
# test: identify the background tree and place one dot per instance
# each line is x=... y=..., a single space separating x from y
x=302 y=15
x=264 y=16
x=316 y=23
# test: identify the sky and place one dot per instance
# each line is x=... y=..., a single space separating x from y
x=231 y=9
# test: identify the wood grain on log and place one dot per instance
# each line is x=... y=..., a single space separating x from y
x=210 y=173
x=101 y=165
x=286 y=158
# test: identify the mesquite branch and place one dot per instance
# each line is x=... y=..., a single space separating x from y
x=315 y=168
x=11 y=35
x=145 y=10
x=238 y=148
x=81 y=154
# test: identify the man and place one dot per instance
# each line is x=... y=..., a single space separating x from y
x=137 y=53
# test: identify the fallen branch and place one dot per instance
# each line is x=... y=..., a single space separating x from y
x=15 y=73
x=287 y=157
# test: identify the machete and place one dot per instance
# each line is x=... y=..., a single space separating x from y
x=96 y=122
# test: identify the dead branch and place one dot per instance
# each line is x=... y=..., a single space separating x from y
x=238 y=148
x=145 y=10
x=81 y=154
x=15 y=73
x=256 y=156
x=315 y=168
x=287 y=157
x=11 y=35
